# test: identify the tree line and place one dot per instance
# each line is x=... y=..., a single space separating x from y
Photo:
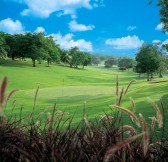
x=38 y=47
x=150 y=58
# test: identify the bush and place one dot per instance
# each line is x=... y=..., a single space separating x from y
x=122 y=68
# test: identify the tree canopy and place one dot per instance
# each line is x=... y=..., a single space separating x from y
x=38 y=47
x=147 y=59
x=125 y=62
x=163 y=4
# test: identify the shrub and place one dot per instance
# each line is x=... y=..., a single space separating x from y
x=122 y=68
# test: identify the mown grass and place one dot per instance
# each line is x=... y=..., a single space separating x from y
x=69 y=88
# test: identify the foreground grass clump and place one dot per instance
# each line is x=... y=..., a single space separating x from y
x=53 y=137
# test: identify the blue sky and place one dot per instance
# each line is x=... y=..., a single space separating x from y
x=117 y=27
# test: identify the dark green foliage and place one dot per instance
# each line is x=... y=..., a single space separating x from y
x=122 y=68
x=86 y=59
x=65 y=56
x=3 y=46
x=31 y=45
x=163 y=4
x=37 y=47
x=126 y=62
x=110 y=62
x=147 y=59
x=95 y=60
x=74 y=57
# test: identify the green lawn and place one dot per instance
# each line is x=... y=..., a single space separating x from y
x=69 y=88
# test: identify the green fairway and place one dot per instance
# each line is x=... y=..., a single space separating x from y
x=69 y=88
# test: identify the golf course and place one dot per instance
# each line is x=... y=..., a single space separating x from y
x=70 y=88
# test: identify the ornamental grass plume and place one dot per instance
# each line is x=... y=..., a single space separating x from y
x=158 y=113
x=131 y=114
x=120 y=145
x=128 y=86
x=145 y=135
x=4 y=100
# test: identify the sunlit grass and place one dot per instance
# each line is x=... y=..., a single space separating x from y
x=69 y=88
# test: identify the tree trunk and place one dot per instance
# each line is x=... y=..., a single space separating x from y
x=39 y=61
x=160 y=74
x=34 y=62
x=151 y=75
x=13 y=57
x=48 y=62
x=148 y=76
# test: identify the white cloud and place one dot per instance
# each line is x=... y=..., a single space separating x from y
x=74 y=26
x=159 y=26
x=43 y=8
x=130 y=28
x=129 y=42
x=10 y=26
x=156 y=41
x=67 y=42
x=165 y=42
x=40 y=30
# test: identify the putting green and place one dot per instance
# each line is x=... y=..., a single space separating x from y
x=72 y=91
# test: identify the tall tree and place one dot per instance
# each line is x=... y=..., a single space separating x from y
x=11 y=41
x=86 y=59
x=3 y=46
x=110 y=62
x=95 y=60
x=65 y=56
x=163 y=59
x=147 y=59
x=52 y=53
x=125 y=62
x=76 y=57
x=163 y=4
x=35 y=49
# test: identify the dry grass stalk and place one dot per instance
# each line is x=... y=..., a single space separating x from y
x=86 y=121
x=48 y=120
x=60 y=113
x=130 y=128
x=146 y=134
x=120 y=98
x=153 y=121
x=84 y=109
x=88 y=126
x=2 y=92
x=35 y=98
x=13 y=103
x=132 y=81
x=120 y=145
x=133 y=104
x=108 y=119
x=158 y=113
x=37 y=124
x=3 y=100
x=10 y=94
x=132 y=115
x=117 y=103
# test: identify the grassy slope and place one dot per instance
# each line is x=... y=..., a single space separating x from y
x=70 y=87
